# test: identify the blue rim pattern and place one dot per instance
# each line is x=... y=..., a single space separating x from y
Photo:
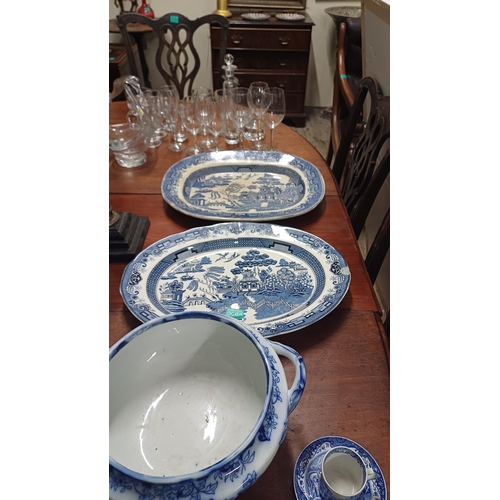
x=243 y=186
x=307 y=469
x=274 y=279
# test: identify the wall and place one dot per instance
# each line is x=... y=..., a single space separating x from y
x=323 y=44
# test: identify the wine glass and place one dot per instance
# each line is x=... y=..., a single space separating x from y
x=239 y=111
x=191 y=122
x=259 y=102
x=216 y=109
x=230 y=132
x=275 y=112
x=153 y=106
x=199 y=94
x=171 y=104
x=171 y=90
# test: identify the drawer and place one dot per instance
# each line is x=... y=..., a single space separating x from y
x=266 y=61
x=264 y=39
x=289 y=83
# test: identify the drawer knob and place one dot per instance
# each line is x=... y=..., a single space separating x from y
x=284 y=40
x=236 y=39
x=283 y=63
x=281 y=84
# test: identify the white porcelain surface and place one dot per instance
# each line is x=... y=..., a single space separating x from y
x=193 y=385
x=343 y=474
x=233 y=354
x=307 y=471
x=273 y=278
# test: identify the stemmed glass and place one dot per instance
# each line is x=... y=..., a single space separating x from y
x=230 y=133
x=199 y=94
x=191 y=122
x=216 y=110
x=171 y=90
x=171 y=104
x=275 y=112
x=240 y=112
x=154 y=104
x=259 y=102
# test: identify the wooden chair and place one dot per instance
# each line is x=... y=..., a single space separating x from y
x=361 y=170
x=177 y=58
x=348 y=75
x=362 y=166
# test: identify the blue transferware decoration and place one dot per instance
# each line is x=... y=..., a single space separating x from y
x=224 y=480
x=243 y=186
x=307 y=469
x=273 y=278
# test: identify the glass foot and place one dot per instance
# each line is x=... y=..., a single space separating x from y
x=260 y=146
x=176 y=147
x=130 y=161
x=208 y=143
x=193 y=151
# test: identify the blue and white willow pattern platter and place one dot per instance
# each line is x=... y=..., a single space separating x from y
x=243 y=186
x=307 y=469
x=273 y=278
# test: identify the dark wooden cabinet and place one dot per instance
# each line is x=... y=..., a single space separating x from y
x=273 y=51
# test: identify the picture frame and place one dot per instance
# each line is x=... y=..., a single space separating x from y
x=269 y=4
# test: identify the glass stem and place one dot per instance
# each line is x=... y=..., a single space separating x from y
x=272 y=139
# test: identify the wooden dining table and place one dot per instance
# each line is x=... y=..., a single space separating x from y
x=345 y=353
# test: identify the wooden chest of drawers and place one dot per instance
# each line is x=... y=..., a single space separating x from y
x=273 y=51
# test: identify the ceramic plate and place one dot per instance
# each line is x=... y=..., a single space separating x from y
x=243 y=185
x=275 y=279
x=290 y=16
x=308 y=468
x=255 y=16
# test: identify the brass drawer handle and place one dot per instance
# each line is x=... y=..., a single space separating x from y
x=283 y=63
x=284 y=40
x=281 y=84
x=236 y=39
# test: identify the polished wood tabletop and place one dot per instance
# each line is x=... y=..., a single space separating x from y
x=345 y=353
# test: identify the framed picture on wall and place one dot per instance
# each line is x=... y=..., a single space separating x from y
x=269 y=4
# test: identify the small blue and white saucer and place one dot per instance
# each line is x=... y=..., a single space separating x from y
x=307 y=469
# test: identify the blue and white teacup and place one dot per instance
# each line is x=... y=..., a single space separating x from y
x=343 y=475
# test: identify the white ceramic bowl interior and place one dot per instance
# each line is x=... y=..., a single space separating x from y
x=184 y=395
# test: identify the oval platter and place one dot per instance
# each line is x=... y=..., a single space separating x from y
x=275 y=279
x=243 y=186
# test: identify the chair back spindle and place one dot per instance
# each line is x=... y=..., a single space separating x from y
x=362 y=165
x=177 y=59
x=361 y=169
